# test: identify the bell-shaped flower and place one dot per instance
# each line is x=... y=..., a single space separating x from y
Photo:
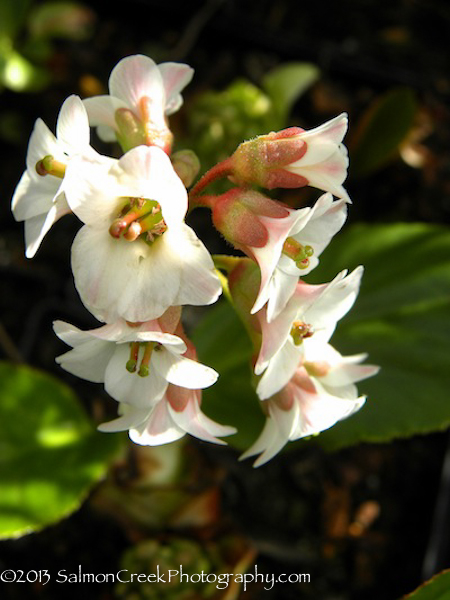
x=141 y=94
x=294 y=158
x=135 y=256
x=39 y=198
x=177 y=413
x=286 y=243
x=135 y=363
x=320 y=393
x=308 y=320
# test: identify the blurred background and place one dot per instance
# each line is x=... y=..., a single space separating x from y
x=361 y=520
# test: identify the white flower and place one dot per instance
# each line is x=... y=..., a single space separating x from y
x=176 y=414
x=308 y=321
x=135 y=257
x=39 y=199
x=320 y=393
x=293 y=250
x=148 y=90
x=136 y=364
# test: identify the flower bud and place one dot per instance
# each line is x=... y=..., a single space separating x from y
x=294 y=158
x=242 y=216
x=186 y=165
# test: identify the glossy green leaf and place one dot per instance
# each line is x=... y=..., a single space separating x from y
x=286 y=83
x=437 y=588
x=50 y=453
x=223 y=344
x=401 y=319
x=381 y=130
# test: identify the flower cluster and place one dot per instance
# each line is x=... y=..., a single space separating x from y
x=136 y=263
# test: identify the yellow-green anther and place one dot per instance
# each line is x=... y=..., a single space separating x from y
x=49 y=166
x=300 y=331
x=134 y=353
x=297 y=252
x=144 y=368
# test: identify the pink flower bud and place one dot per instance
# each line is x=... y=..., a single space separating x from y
x=294 y=158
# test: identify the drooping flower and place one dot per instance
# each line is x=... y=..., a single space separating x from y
x=294 y=158
x=141 y=95
x=286 y=243
x=135 y=363
x=307 y=322
x=177 y=413
x=39 y=198
x=320 y=393
x=135 y=256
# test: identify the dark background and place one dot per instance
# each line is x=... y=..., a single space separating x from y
x=299 y=510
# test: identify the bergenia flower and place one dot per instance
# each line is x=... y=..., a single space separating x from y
x=135 y=256
x=141 y=94
x=321 y=392
x=135 y=363
x=176 y=414
x=294 y=158
x=308 y=320
x=39 y=198
x=285 y=243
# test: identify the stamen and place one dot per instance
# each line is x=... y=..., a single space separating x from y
x=144 y=368
x=138 y=216
x=300 y=331
x=134 y=353
x=49 y=166
x=297 y=252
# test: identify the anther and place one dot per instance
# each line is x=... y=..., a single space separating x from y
x=144 y=368
x=134 y=353
x=49 y=166
x=300 y=331
x=297 y=252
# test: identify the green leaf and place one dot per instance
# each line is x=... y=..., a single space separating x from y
x=401 y=319
x=437 y=588
x=68 y=20
x=381 y=130
x=286 y=83
x=223 y=344
x=50 y=454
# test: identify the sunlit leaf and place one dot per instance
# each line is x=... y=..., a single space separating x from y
x=437 y=588
x=381 y=130
x=50 y=453
x=286 y=83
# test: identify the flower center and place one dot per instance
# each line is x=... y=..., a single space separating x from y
x=300 y=331
x=297 y=252
x=135 y=351
x=139 y=218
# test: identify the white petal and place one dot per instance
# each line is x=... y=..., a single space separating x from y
x=159 y=428
x=183 y=371
x=72 y=128
x=196 y=423
x=88 y=360
x=101 y=110
x=128 y=387
x=131 y=417
x=175 y=76
x=280 y=370
x=323 y=141
x=42 y=142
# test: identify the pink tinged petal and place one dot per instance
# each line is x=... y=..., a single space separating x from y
x=175 y=77
x=131 y=417
x=72 y=129
x=135 y=77
x=274 y=335
x=279 y=370
x=89 y=360
x=269 y=255
x=321 y=411
x=349 y=371
x=101 y=111
x=322 y=141
x=329 y=175
x=181 y=371
x=282 y=288
x=128 y=387
x=148 y=172
x=193 y=421
x=275 y=435
x=159 y=428
x=73 y=336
